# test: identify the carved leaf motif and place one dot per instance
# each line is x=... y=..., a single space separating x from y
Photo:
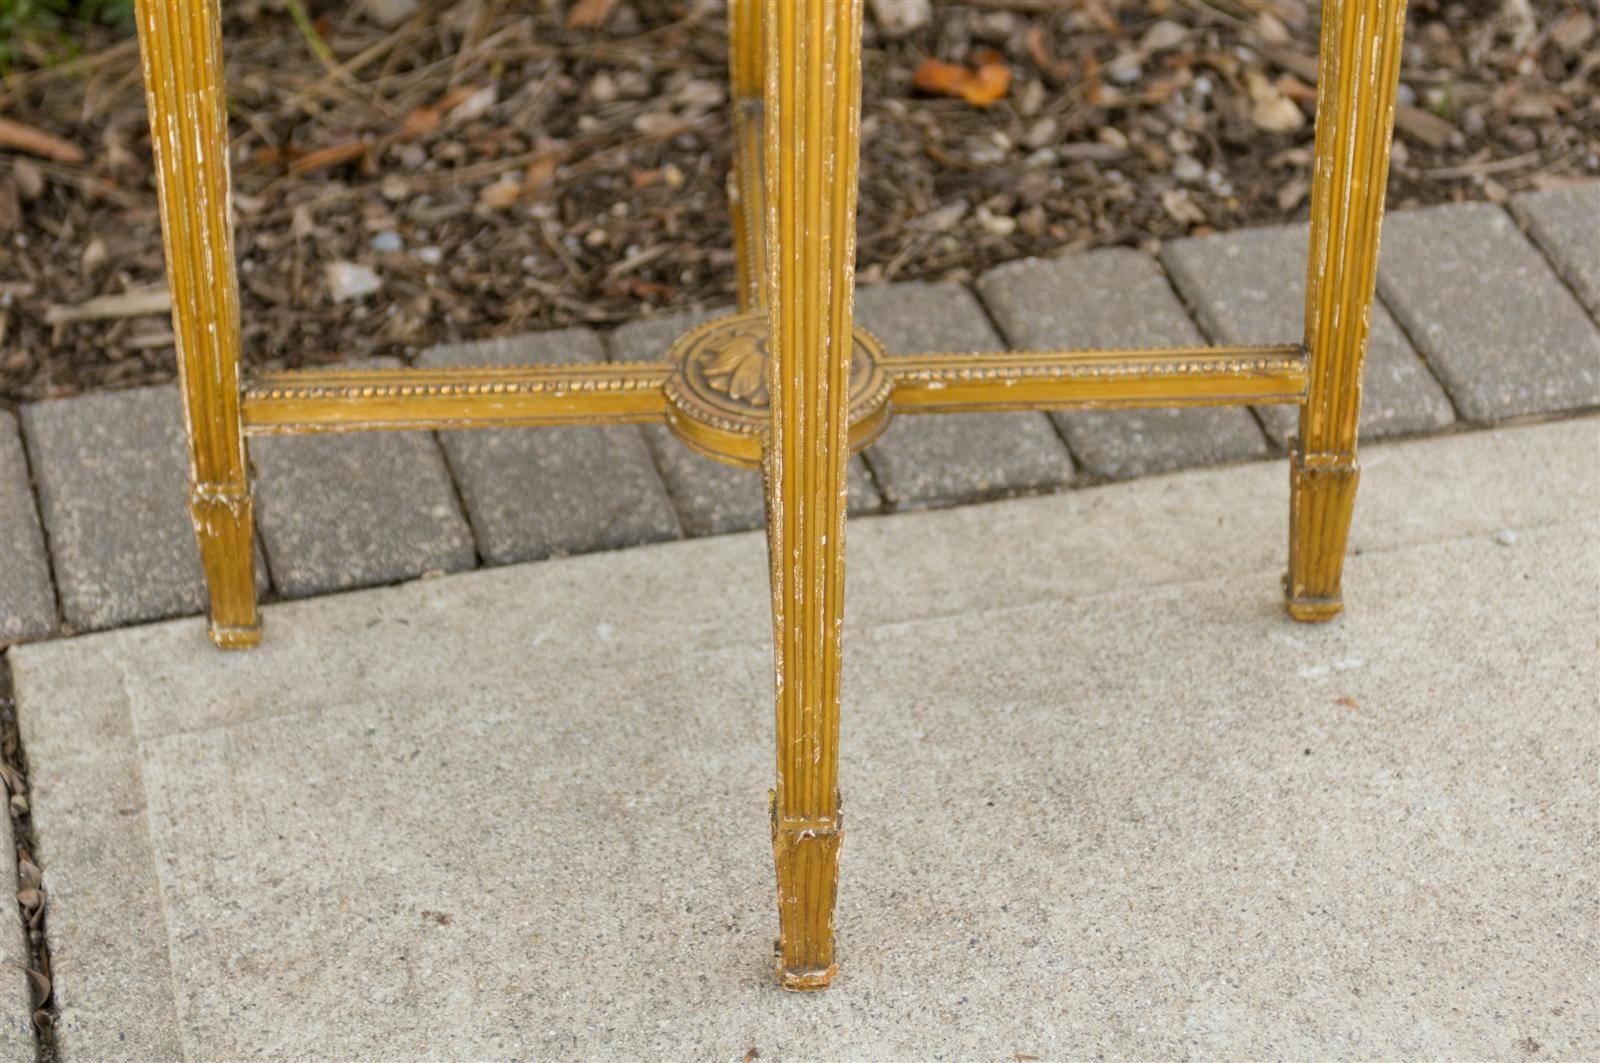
x=739 y=369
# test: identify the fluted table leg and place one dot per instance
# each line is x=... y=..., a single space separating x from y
x=1355 y=120
x=812 y=105
x=181 y=45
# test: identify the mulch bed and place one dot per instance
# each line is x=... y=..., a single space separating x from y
x=498 y=167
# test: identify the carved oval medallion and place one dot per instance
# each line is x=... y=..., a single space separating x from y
x=717 y=400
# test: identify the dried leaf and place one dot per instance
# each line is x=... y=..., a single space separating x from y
x=1271 y=109
x=32 y=903
x=945 y=79
x=421 y=122
x=1094 y=89
x=475 y=104
x=992 y=82
x=1296 y=89
x=589 y=14
x=502 y=193
x=1424 y=126
x=1178 y=204
x=425 y=120
x=981 y=87
x=330 y=156
x=1271 y=29
x=1164 y=36
x=30 y=182
x=1277 y=114
x=41 y=987
x=541 y=170
x=35 y=141
x=652 y=290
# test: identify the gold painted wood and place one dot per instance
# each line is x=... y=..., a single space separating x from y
x=746 y=191
x=717 y=397
x=180 y=42
x=813 y=108
x=1039 y=380
x=774 y=383
x=350 y=400
x=1356 y=87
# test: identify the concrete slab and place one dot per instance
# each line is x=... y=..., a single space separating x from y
x=27 y=598
x=112 y=475
x=938 y=460
x=342 y=511
x=1250 y=287
x=1497 y=325
x=1116 y=298
x=1133 y=811
x=534 y=492
x=1565 y=223
x=711 y=498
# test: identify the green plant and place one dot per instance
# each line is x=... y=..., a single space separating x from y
x=20 y=19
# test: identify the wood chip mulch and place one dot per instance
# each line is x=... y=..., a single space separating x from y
x=412 y=172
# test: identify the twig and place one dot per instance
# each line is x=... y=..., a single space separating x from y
x=325 y=56
x=127 y=304
x=1487 y=166
x=36 y=141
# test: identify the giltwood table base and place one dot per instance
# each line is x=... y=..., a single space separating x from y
x=787 y=383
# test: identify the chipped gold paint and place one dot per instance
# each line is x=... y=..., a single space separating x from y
x=812 y=107
x=350 y=400
x=1044 y=380
x=718 y=398
x=1356 y=87
x=785 y=393
x=180 y=43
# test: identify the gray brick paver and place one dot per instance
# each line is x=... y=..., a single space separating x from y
x=534 y=492
x=711 y=498
x=27 y=600
x=1565 y=222
x=1116 y=298
x=939 y=459
x=112 y=474
x=1249 y=287
x=1494 y=322
x=1497 y=325
x=343 y=511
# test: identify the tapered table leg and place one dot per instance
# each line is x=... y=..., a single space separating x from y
x=181 y=45
x=812 y=103
x=1360 y=69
